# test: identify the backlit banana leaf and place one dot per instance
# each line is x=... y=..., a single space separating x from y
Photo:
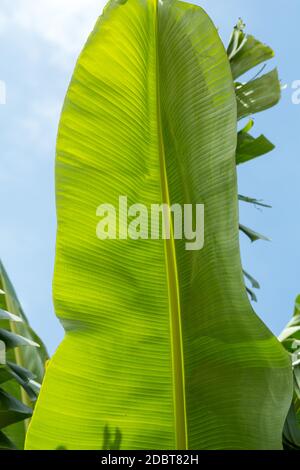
x=162 y=348
x=290 y=338
x=21 y=367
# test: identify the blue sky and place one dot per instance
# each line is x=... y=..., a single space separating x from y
x=39 y=44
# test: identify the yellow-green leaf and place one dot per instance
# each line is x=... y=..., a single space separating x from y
x=162 y=348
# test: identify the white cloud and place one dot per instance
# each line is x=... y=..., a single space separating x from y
x=3 y=22
x=63 y=23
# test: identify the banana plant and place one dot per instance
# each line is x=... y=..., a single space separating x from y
x=22 y=358
x=162 y=347
x=244 y=53
x=258 y=93
x=290 y=338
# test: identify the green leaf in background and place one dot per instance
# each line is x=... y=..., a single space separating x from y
x=245 y=52
x=258 y=95
x=251 y=294
x=254 y=282
x=8 y=316
x=254 y=236
x=254 y=285
x=249 y=147
x=5 y=443
x=154 y=332
x=255 y=202
x=12 y=340
x=21 y=366
x=290 y=339
x=12 y=410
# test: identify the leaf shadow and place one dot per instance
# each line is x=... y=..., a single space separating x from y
x=110 y=441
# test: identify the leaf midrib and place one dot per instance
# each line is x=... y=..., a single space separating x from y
x=172 y=278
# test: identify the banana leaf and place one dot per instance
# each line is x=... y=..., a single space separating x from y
x=154 y=332
x=252 y=235
x=249 y=147
x=21 y=367
x=258 y=95
x=255 y=95
x=290 y=338
x=245 y=52
x=255 y=202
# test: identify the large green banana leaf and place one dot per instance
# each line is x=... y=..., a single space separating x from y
x=21 y=367
x=290 y=338
x=162 y=348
